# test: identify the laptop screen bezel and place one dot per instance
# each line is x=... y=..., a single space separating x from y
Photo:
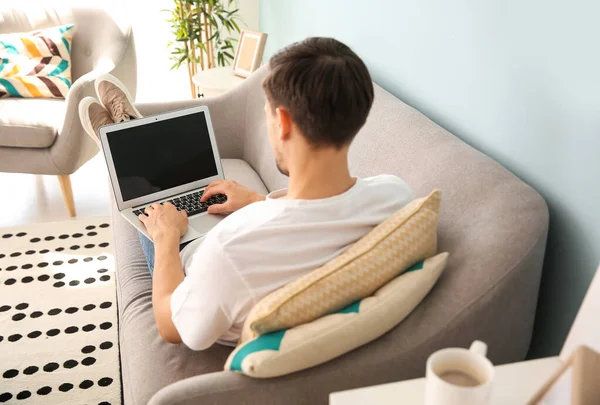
x=108 y=129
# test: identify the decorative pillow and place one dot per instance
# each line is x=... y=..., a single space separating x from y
x=406 y=237
x=37 y=63
x=286 y=351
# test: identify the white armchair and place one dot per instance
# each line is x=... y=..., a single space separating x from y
x=45 y=136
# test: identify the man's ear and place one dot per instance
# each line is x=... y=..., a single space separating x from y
x=285 y=123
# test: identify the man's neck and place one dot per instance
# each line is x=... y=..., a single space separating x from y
x=322 y=176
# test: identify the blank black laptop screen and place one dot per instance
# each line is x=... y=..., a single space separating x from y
x=162 y=155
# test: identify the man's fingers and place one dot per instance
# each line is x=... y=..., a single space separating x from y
x=142 y=217
x=215 y=183
x=214 y=190
x=219 y=208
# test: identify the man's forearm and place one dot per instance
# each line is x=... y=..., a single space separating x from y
x=168 y=274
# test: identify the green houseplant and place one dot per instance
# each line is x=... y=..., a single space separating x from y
x=202 y=30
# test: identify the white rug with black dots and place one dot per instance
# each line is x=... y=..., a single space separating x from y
x=58 y=315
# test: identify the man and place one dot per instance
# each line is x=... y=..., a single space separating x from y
x=318 y=95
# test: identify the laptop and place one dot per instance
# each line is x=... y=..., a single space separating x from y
x=172 y=157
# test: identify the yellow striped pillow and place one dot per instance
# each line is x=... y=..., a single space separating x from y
x=37 y=63
x=388 y=250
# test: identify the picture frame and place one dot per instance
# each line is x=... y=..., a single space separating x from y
x=248 y=56
x=575 y=382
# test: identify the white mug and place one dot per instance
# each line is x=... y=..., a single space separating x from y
x=457 y=376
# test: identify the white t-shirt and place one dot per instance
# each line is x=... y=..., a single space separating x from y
x=266 y=245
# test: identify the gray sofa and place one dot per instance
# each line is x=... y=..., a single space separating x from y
x=493 y=224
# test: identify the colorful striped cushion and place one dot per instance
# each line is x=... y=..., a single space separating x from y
x=37 y=63
x=286 y=351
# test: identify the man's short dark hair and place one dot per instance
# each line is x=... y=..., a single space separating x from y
x=326 y=88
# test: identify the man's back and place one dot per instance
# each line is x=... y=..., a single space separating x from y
x=266 y=245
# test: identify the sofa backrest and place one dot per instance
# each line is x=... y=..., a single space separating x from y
x=101 y=37
x=491 y=222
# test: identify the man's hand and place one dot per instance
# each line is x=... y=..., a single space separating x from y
x=238 y=196
x=164 y=220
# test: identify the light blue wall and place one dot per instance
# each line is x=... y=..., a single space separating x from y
x=517 y=79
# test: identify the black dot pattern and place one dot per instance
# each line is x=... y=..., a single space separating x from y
x=12 y=373
x=34 y=334
x=70 y=364
x=88 y=349
x=31 y=370
x=88 y=328
x=105 y=382
x=50 y=367
x=65 y=387
x=85 y=384
x=23 y=395
x=33 y=269
x=53 y=332
x=18 y=317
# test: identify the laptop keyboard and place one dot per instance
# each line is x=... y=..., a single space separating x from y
x=190 y=203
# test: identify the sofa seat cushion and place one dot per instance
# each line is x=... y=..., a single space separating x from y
x=30 y=123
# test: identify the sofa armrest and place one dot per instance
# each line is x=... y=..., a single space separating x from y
x=227 y=388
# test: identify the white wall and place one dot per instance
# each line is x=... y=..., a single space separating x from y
x=156 y=82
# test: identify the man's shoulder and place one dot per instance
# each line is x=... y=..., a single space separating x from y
x=389 y=184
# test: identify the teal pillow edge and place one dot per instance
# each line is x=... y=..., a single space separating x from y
x=272 y=341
